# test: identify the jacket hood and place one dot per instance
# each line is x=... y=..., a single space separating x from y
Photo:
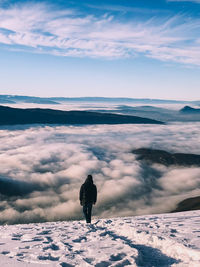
x=89 y=180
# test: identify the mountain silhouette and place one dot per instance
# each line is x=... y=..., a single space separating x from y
x=166 y=158
x=188 y=109
x=12 y=116
x=188 y=204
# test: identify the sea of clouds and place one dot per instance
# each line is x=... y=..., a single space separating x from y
x=43 y=167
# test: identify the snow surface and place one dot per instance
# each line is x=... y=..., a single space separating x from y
x=153 y=240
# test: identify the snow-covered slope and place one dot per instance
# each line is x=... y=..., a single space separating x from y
x=153 y=240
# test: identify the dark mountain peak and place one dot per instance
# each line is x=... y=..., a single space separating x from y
x=188 y=109
x=167 y=158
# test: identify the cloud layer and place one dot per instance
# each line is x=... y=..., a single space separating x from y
x=42 y=169
x=45 y=29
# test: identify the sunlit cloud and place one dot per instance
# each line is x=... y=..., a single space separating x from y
x=44 y=29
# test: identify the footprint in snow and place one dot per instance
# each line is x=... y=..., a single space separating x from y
x=117 y=257
x=78 y=240
x=103 y=264
x=37 y=239
x=26 y=228
x=172 y=235
x=173 y=231
x=52 y=247
x=68 y=246
x=64 y=264
x=108 y=221
x=26 y=247
x=5 y=252
x=153 y=218
x=48 y=257
x=21 y=255
x=16 y=236
x=89 y=260
x=45 y=232
x=49 y=239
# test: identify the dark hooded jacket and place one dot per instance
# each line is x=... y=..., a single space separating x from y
x=88 y=192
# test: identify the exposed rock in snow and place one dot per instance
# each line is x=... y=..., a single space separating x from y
x=153 y=240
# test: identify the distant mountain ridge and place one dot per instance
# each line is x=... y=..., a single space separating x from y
x=12 y=116
x=13 y=99
x=56 y=100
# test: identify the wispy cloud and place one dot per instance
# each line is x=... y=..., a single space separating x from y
x=194 y=1
x=70 y=33
x=127 y=9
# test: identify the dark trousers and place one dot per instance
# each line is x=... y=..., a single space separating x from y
x=87 y=211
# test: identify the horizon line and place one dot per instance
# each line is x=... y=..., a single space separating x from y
x=98 y=97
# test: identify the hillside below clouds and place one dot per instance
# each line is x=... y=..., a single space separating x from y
x=12 y=116
x=192 y=203
x=166 y=158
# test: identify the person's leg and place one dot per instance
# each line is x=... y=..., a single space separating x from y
x=89 y=212
x=85 y=211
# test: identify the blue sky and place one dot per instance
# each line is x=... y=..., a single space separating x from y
x=123 y=48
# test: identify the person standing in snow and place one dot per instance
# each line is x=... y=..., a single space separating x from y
x=88 y=197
